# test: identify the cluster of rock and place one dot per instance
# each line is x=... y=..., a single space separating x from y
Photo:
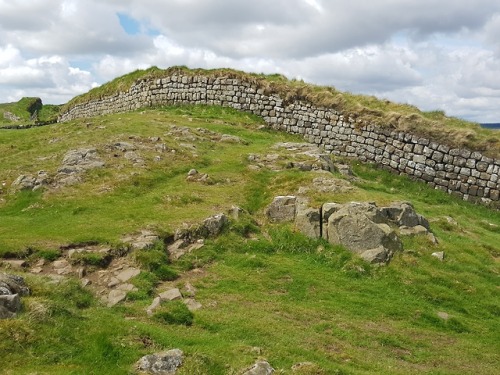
x=168 y=362
x=191 y=237
x=74 y=164
x=187 y=296
x=12 y=287
x=363 y=228
x=467 y=174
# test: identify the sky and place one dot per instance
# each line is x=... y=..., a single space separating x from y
x=434 y=54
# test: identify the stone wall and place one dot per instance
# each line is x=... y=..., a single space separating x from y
x=462 y=172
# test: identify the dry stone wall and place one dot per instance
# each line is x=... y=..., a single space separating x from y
x=462 y=172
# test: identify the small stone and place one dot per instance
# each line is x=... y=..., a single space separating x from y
x=259 y=368
x=377 y=255
x=85 y=282
x=113 y=282
x=154 y=305
x=192 y=172
x=170 y=295
x=192 y=304
x=36 y=270
x=126 y=287
x=189 y=290
x=14 y=263
x=439 y=255
x=163 y=363
x=59 y=264
x=128 y=274
x=443 y=315
x=116 y=296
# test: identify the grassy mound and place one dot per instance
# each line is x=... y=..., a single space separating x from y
x=266 y=290
x=27 y=111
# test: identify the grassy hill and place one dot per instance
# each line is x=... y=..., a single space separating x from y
x=266 y=290
x=27 y=111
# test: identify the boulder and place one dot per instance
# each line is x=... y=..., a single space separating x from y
x=357 y=231
x=377 y=255
x=10 y=305
x=309 y=221
x=213 y=226
x=116 y=296
x=170 y=295
x=259 y=368
x=12 y=287
x=282 y=209
x=162 y=363
x=78 y=160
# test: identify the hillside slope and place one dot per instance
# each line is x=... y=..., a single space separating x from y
x=265 y=290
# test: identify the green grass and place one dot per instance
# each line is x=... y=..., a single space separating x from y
x=267 y=291
x=25 y=108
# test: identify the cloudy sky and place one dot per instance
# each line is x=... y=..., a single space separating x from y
x=435 y=54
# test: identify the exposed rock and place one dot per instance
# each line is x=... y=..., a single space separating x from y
x=124 y=146
x=344 y=169
x=443 y=315
x=10 y=305
x=259 y=368
x=170 y=295
x=189 y=290
x=210 y=227
x=309 y=221
x=439 y=255
x=359 y=231
x=181 y=247
x=13 y=284
x=403 y=214
x=76 y=161
x=192 y=172
x=235 y=212
x=116 y=296
x=282 y=209
x=232 y=139
x=143 y=240
x=12 y=287
x=13 y=263
x=327 y=184
x=163 y=363
x=154 y=305
x=192 y=304
x=128 y=274
x=213 y=226
x=11 y=117
x=377 y=255
x=412 y=231
x=29 y=182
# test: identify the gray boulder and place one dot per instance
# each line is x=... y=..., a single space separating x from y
x=358 y=230
x=259 y=368
x=162 y=363
x=282 y=209
x=77 y=161
x=309 y=221
x=11 y=288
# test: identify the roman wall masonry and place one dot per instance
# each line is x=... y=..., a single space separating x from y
x=465 y=173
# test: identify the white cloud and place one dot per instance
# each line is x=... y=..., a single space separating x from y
x=437 y=55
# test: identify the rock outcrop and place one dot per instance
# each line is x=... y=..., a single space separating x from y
x=12 y=287
x=162 y=363
x=363 y=228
